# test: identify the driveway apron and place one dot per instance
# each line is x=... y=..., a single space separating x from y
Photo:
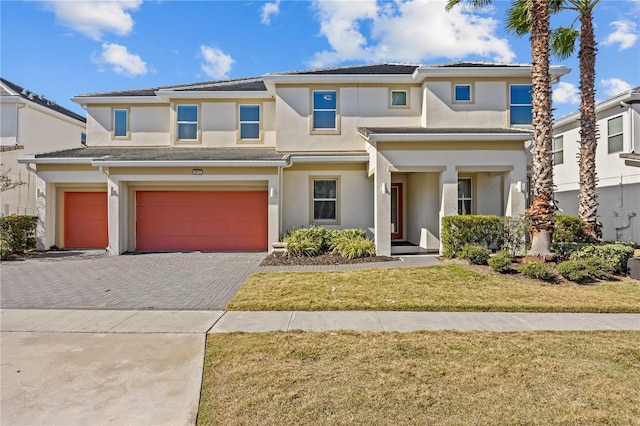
x=95 y=280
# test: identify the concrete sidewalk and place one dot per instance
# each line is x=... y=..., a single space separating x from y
x=200 y=322
x=145 y=367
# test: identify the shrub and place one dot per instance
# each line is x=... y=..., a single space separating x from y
x=584 y=270
x=16 y=232
x=334 y=236
x=305 y=241
x=352 y=247
x=514 y=237
x=315 y=241
x=569 y=229
x=537 y=271
x=564 y=250
x=615 y=255
x=478 y=230
x=475 y=254
x=501 y=262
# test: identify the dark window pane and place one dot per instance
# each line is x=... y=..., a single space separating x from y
x=558 y=157
x=324 y=210
x=249 y=113
x=615 y=143
x=324 y=120
x=187 y=113
x=521 y=95
x=325 y=188
x=399 y=98
x=464 y=206
x=250 y=131
x=464 y=188
x=187 y=131
x=324 y=99
x=463 y=93
x=521 y=115
x=120 y=122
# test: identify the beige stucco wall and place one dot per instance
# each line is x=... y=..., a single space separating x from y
x=489 y=106
x=148 y=125
x=355 y=198
x=358 y=106
x=422 y=193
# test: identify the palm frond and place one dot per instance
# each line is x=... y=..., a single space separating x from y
x=519 y=17
x=563 y=42
x=474 y=4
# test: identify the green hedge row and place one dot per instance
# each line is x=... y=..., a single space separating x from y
x=488 y=231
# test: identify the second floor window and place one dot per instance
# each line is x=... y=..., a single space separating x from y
x=558 y=150
x=462 y=92
x=520 y=104
x=187 y=122
x=399 y=98
x=249 y=122
x=120 y=123
x=614 y=135
x=325 y=110
x=464 y=196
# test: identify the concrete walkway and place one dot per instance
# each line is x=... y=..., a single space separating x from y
x=145 y=367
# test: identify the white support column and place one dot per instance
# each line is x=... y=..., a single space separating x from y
x=115 y=193
x=45 y=210
x=515 y=188
x=382 y=206
x=273 y=193
x=448 y=197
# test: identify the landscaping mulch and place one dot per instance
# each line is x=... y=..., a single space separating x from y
x=324 y=259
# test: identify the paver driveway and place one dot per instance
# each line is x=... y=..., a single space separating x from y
x=95 y=280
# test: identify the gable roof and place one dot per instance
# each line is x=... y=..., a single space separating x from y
x=16 y=90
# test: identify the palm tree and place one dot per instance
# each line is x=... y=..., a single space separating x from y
x=542 y=209
x=563 y=45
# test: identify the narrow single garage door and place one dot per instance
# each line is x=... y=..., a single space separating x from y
x=201 y=220
x=86 y=220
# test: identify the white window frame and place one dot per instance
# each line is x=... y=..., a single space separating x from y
x=621 y=133
x=197 y=123
x=313 y=199
x=241 y=122
x=325 y=130
x=127 y=133
x=511 y=104
x=463 y=101
x=557 y=151
x=469 y=198
x=391 y=99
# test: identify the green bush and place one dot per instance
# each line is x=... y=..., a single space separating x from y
x=501 y=262
x=478 y=230
x=16 y=233
x=537 y=271
x=315 y=241
x=569 y=229
x=584 y=270
x=615 y=255
x=564 y=250
x=475 y=254
x=352 y=247
x=514 y=237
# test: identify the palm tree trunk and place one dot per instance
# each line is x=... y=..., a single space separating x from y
x=587 y=197
x=542 y=209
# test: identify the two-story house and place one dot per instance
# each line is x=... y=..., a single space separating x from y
x=30 y=124
x=617 y=165
x=232 y=165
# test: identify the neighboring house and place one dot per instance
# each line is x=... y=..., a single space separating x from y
x=617 y=165
x=31 y=124
x=232 y=165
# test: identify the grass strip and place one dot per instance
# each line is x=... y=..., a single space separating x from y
x=433 y=288
x=444 y=378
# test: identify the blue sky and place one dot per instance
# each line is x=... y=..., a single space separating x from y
x=64 y=48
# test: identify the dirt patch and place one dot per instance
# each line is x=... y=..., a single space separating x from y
x=324 y=259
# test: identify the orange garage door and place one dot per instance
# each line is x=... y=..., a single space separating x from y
x=201 y=220
x=85 y=220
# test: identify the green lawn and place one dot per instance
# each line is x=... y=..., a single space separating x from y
x=448 y=287
x=443 y=378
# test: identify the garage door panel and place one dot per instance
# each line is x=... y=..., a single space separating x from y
x=201 y=220
x=86 y=220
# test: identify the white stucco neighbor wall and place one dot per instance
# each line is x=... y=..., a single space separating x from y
x=38 y=131
x=355 y=201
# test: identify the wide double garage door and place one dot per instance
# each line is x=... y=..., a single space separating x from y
x=201 y=220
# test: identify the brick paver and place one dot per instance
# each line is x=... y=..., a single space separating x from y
x=95 y=280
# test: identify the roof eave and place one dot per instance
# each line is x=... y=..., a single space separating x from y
x=217 y=94
x=556 y=71
x=31 y=159
x=188 y=163
x=445 y=137
x=627 y=97
x=91 y=100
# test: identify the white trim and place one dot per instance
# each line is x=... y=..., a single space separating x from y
x=626 y=97
x=212 y=94
x=271 y=80
x=329 y=158
x=429 y=137
x=189 y=163
x=32 y=160
x=491 y=70
x=496 y=168
x=90 y=100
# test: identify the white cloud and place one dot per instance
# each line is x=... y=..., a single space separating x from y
x=120 y=60
x=217 y=64
x=268 y=10
x=94 y=18
x=566 y=93
x=406 y=30
x=614 y=86
x=625 y=34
